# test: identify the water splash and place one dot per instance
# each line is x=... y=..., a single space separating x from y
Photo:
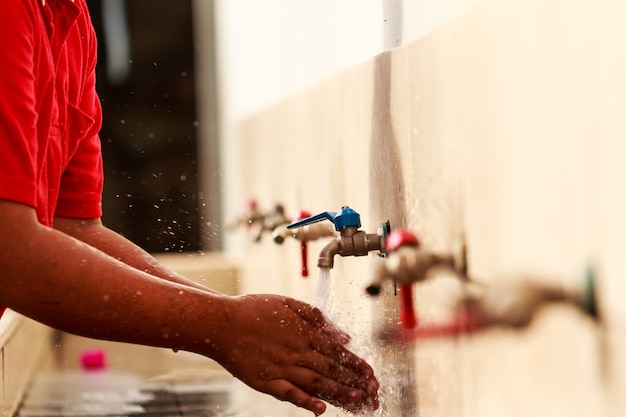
x=393 y=360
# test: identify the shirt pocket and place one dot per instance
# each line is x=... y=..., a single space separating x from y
x=78 y=126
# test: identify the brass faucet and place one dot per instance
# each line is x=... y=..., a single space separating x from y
x=351 y=241
x=258 y=222
x=515 y=302
x=406 y=264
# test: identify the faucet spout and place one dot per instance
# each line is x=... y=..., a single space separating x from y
x=352 y=242
x=407 y=265
x=327 y=254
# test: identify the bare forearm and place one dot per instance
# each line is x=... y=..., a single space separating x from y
x=95 y=234
x=58 y=280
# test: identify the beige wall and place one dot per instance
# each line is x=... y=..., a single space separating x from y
x=505 y=125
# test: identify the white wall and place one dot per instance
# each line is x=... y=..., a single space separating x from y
x=271 y=49
x=268 y=50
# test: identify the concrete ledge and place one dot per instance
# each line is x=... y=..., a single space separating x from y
x=211 y=269
x=22 y=343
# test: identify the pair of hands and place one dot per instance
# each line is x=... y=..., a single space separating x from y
x=288 y=349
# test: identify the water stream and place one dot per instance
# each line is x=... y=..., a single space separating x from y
x=323 y=291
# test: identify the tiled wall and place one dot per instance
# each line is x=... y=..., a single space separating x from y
x=505 y=126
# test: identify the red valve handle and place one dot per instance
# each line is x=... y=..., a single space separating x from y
x=407 y=312
x=395 y=240
x=251 y=203
x=304 y=251
x=303 y=214
x=400 y=237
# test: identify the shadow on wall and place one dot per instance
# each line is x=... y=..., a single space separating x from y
x=387 y=189
x=388 y=201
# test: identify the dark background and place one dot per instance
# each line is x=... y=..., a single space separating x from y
x=149 y=133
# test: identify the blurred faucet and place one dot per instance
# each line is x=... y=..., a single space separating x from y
x=258 y=222
x=304 y=234
x=510 y=303
x=351 y=241
x=406 y=264
x=514 y=303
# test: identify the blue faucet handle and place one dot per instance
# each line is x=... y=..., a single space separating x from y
x=313 y=219
x=344 y=218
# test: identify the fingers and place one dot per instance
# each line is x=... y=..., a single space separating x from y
x=327 y=375
x=286 y=391
x=350 y=399
x=350 y=396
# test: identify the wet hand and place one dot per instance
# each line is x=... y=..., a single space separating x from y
x=288 y=349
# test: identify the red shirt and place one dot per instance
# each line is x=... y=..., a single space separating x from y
x=50 y=114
